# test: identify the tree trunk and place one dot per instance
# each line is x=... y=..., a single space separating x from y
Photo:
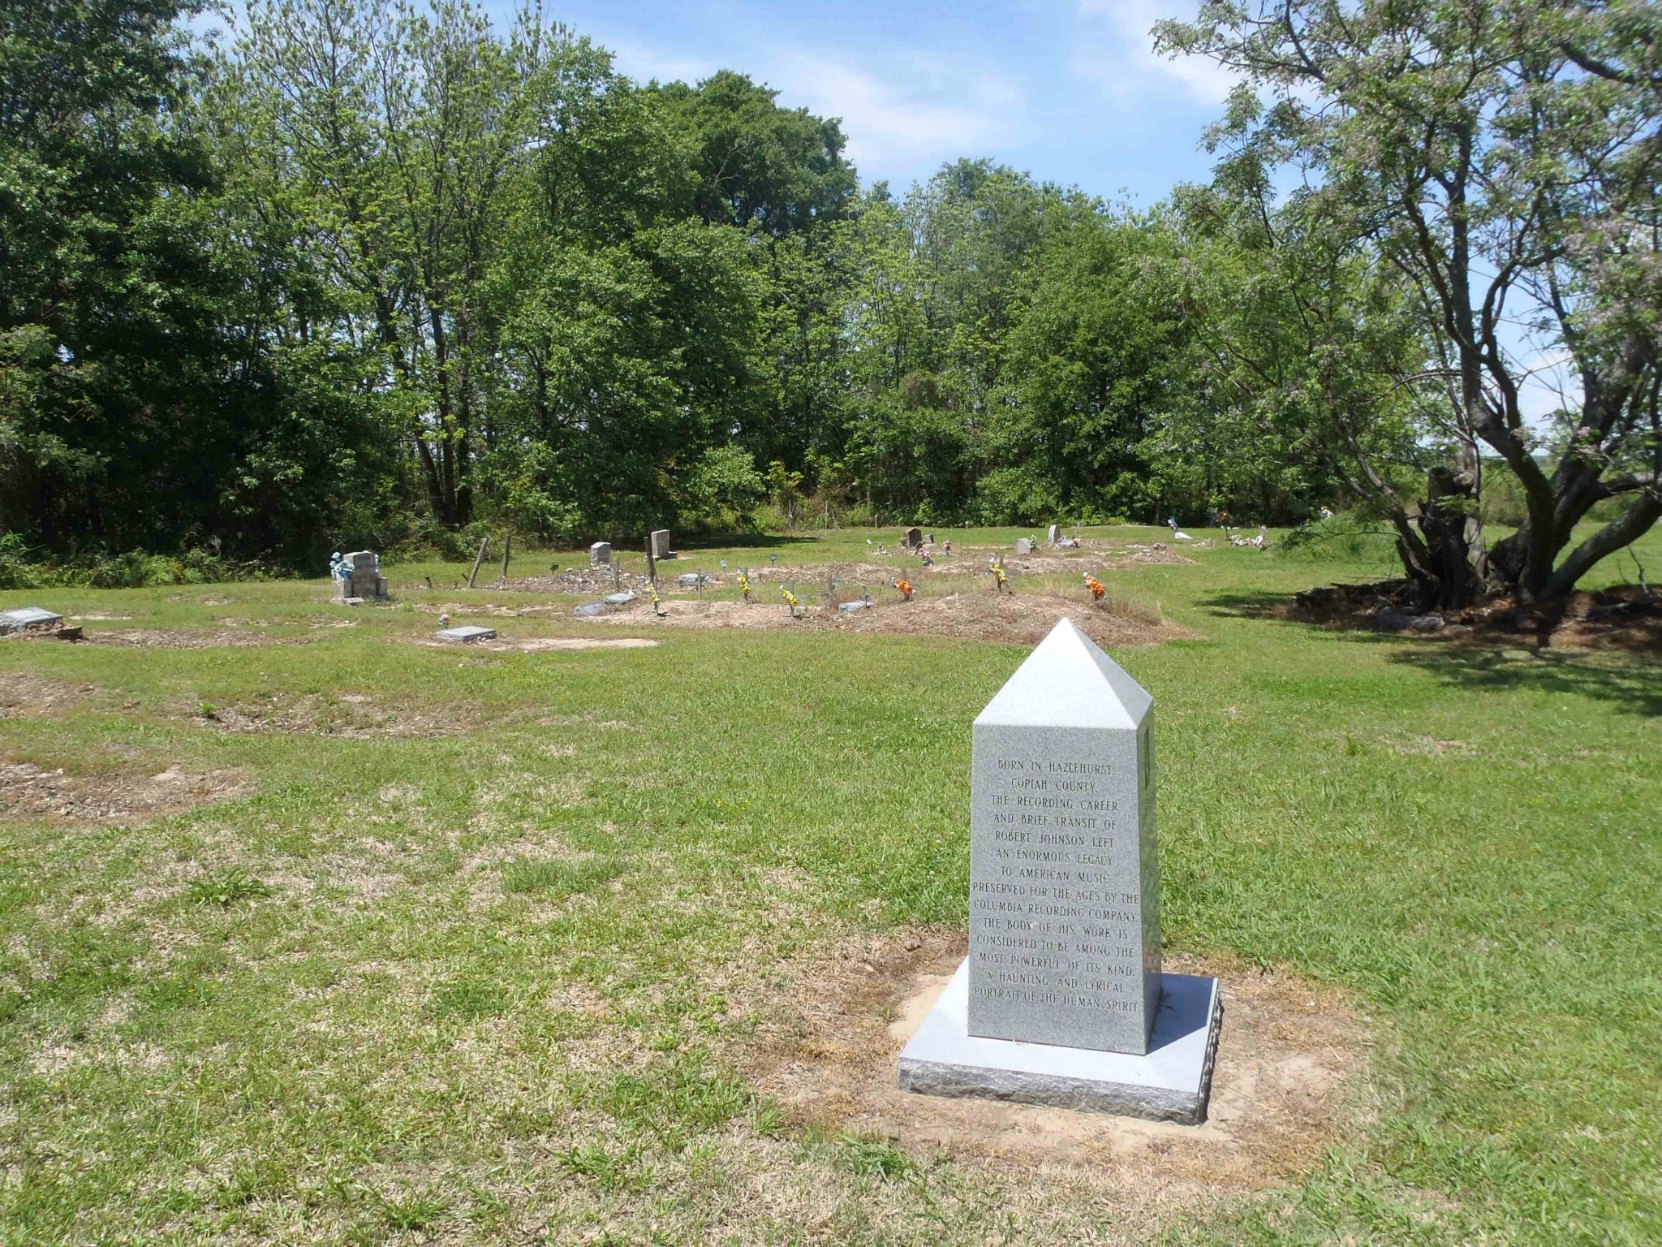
x=1455 y=571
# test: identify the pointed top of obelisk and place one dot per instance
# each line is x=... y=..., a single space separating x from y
x=1067 y=681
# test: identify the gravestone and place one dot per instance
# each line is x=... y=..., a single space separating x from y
x=600 y=554
x=468 y=634
x=29 y=619
x=588 y=610
x=1062 y=1000
x=660 y=543
x=1023 y=546
x=1054 y=535
x=913 y=538
x=619 y=599
x=363 y=578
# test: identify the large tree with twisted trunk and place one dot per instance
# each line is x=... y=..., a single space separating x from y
x=1503 y=157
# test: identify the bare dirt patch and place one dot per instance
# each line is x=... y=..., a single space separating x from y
x=189 y=638
x=1622 y=617
x=25 y=695
x=1290 y=1077
x=1021 y=619
x=351 y=715
x=27 y=791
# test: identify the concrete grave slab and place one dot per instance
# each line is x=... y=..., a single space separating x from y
x=468 y=634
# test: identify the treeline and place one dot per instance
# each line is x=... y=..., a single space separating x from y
x=360 y=276
x=365 y=276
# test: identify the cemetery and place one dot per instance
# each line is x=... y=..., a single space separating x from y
x=728 y=623
x=598 y=907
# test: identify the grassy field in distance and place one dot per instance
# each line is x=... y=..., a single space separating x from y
x=327 y=935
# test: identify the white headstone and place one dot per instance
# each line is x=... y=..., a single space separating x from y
x=600 y=553
x=1055 y=534
x=1023 y=546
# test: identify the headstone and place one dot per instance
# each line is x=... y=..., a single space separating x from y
x=694 y=580
x=588 y=610
x=600 y=554
x=468 y=634
x=1023 y=546
x=28 y=619
x=1062 y=1000
x=660 y=543
x=363 y=578
x=619 y=599
x=1054 y=534
x=848 y=608
x=913 y=538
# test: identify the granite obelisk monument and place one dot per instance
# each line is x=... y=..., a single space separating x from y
x=1062 y=999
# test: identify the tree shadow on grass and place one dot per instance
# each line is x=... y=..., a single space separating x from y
x=1262 y=604
x=1628 y=678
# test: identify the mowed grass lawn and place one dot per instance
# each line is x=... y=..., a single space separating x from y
x=472 y=951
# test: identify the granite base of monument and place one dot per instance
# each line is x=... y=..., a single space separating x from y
x=1172 y=1082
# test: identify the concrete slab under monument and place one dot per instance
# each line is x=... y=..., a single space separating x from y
x=1171 y=1082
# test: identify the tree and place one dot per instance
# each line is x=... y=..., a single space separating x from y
x=1504 y=159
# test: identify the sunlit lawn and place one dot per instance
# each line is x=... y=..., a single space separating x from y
x=485 y=982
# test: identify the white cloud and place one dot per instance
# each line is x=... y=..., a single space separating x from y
x=900 y=111
x=1114 y=50
x=923 y=112
x=643 y=63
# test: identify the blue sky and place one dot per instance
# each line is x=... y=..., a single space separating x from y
x=1068 y=90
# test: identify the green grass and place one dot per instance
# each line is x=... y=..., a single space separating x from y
x=489 y=982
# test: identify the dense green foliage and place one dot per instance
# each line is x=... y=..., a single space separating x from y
x=351 y=276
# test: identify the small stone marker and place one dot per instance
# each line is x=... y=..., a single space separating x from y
x=1054 y=534
x=848 y=608
x=588 y=610
x=468 y=634
x=660 y=543
x=363 y=578
x=619 y=599
x=694 y=580
x=600 y=554
x=773 y=558
x=1023 y=546
x=1062 y=1000
x=28 y=619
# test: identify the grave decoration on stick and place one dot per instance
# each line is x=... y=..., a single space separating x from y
x=905 y=587
x=744 y=585
x=791 y=602
x=1001 y=581
x=657 y=602
x=1097 y=588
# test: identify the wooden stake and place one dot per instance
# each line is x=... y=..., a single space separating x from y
x=507 y=549
x=480 y=558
